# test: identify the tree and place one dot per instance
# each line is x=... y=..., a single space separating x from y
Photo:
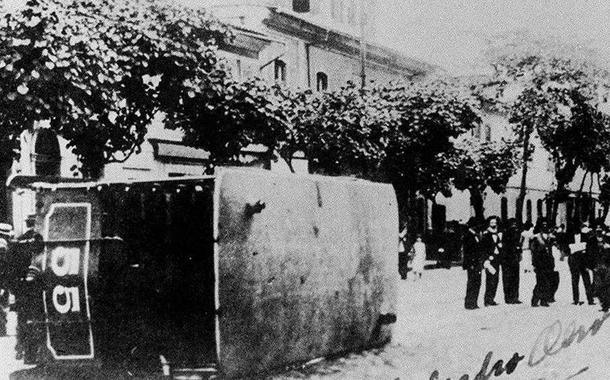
x=393 y=133
x=346 y=132
x=229 y=115
x=479 y=164
x=431 y=115
x=547 y=75
x=100 y=71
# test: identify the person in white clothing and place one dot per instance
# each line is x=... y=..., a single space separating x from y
x=526 y=252
x=418 y=257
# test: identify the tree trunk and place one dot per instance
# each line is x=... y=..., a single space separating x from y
x=5 y=167
x=592 y=208
x=476 y=200
x=559 y=194
x=523 y=188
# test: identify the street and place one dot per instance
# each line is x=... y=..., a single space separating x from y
x=435 y=332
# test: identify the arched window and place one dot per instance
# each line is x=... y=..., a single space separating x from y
x=528 y=210
x=280 y=70
x=504 y=209
x=301 y=6
x=539 y=208
x=46 y=154
x=321 y=81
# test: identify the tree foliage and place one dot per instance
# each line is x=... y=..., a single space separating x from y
x=431 y=115
x=559 y=89
x=100 y=70
x=478 y=165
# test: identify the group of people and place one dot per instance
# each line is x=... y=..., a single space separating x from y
x=488 y=249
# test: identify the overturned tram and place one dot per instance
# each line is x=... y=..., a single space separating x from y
x=229 y=275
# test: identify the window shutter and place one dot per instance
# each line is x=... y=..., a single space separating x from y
x=300 y=6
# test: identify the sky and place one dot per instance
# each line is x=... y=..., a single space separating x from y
x=453 y=33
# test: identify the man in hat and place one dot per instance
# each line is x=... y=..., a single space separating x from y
x=472 y=264
x=577 y=261
x=544 y=266
x=492 y=247
x=29 y=249
x=510 y=258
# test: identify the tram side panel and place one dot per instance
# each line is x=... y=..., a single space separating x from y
x=68 y=220
x=309 y=275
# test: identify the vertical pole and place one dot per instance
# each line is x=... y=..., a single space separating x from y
x=362 y=45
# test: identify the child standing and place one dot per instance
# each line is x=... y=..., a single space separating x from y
x=418 y=257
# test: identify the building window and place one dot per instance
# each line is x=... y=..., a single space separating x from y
x=504 y=209
x=439 y=217
x=336 y=10
x=280 y=70
x=351 y=12
x=539 y=208
x=301 y=6
x=528 y=210
x=321 y=81
x=238 y=72
x=476 y=131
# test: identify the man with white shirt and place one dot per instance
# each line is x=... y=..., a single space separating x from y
x=491 y=246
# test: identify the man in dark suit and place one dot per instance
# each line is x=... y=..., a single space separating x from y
x=491 y=246
x=471 y=246
x=578 y=268
x=28 y=250
x=544 y=265
x=510 y=258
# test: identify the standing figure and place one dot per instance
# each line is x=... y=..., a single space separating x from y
x=403 y=256
x=29 y=249
x=595 y=258
x=471 y=246
x=578 y=267
x=510 y=258
x=602 y=275
x=418 y=256
x=562 y=241
x=491 y=246
x=526 y=253
x=544 y=265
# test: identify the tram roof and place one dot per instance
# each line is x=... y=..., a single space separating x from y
x=52 y=182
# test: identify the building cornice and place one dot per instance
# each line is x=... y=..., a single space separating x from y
x=320 y=36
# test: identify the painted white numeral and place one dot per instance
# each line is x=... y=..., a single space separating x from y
x=65 y=260
x=72 y=299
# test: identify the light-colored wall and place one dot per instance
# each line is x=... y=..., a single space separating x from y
x=540 y=181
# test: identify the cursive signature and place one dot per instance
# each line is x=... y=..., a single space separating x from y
x=554 y=338
x=551 y=340
x=498 y=368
